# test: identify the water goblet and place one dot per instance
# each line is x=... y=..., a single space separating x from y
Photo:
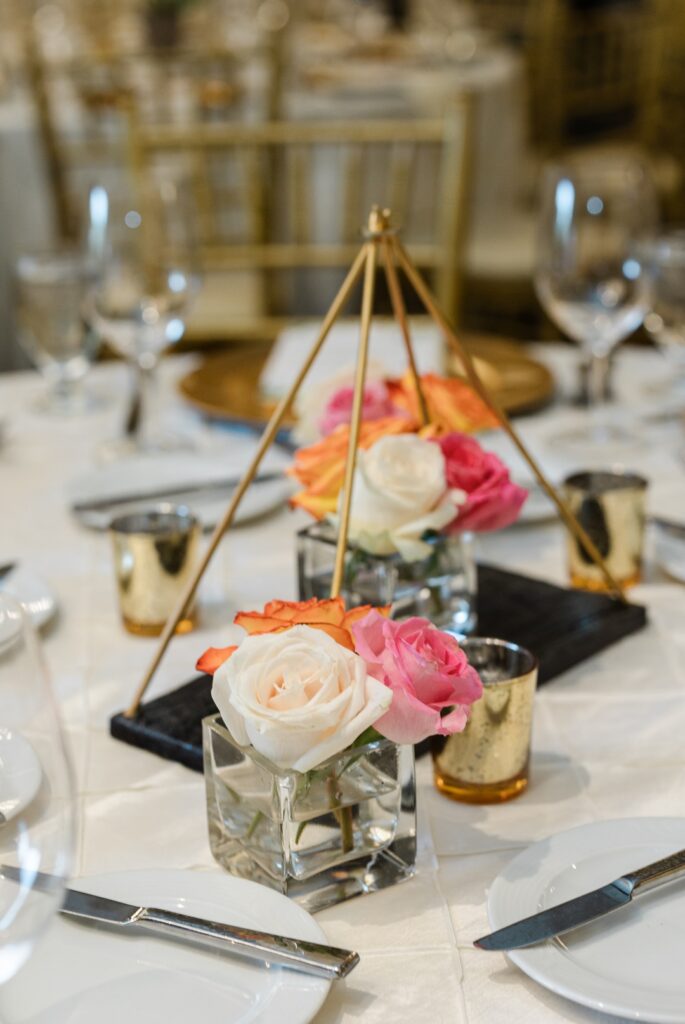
x=37 y=822
x=590 y=277
x=665 y=260
x=141 y=299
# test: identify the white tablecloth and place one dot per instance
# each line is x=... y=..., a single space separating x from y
x=607 y=736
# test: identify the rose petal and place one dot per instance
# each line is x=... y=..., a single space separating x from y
x=213 y=658
x=408 y=720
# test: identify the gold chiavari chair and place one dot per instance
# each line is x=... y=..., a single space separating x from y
x=516 y=20
x=663 y=113
x=288 y=198
x=591 y=68
x=83 y=97
x=598 y=82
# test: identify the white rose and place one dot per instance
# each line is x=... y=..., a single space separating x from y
x=298 y=697
x=399 y=493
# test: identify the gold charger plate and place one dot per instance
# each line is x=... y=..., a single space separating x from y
x=226 y=386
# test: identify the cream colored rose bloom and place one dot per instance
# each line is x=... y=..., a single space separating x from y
x=298 y=697
x=399 y=493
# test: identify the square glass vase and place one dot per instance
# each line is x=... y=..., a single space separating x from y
x=441 y=586
x=345 y=828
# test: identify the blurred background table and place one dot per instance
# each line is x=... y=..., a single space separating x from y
x=541 y=77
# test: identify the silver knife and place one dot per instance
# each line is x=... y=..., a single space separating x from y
x=588 y=907
x=6 y=569
x=297 y=954
x=184 y=490
x=671 y=526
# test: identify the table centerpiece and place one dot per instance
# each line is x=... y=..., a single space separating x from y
x=420 y=493
x=309 y=765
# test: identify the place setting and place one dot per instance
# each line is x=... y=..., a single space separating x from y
x=340 y=598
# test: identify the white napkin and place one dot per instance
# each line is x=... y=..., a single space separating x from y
x=339 y=352
x=146 y=476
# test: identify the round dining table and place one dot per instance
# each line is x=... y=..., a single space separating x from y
x=607 y=737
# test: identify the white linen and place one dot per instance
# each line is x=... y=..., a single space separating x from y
x=607 y=736
x=339 y=352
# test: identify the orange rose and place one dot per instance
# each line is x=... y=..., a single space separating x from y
x=452 y=404
x=321 y=467
x=329 y=615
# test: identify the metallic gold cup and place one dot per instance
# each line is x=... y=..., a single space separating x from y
x=611 y=507
x=488 y=762
x=154 y=556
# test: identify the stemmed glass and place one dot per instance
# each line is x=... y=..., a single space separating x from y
x=140 y=301
x=665 y=262
x=51 y=288
x=37 y=823
x=590 y=276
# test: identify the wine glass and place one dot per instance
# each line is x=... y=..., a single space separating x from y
x=51 y=288
x=139 y=303
x=665 y=261
x=37 y=823
x=590 y=277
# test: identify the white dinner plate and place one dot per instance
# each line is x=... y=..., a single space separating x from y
x=148 y=476
x=20 y=774
x=629 y=963
x=670 y=554
x=80 y=974
x=32 y=592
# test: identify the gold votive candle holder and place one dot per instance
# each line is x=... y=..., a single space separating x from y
x=154 y=556
x=610 y=505
x=488 y=762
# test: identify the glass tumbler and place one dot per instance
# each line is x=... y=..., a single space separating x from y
x=154 y=555
x=488 y=762
x=51 y=288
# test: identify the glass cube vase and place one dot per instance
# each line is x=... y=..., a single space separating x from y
x=345 y=828
x=441 y=587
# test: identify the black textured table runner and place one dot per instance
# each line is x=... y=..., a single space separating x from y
x=561 y=627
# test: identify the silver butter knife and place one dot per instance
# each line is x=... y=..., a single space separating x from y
x=183 y=491
x=298 y=954
x=6 y=569
x=675 y=529
x=588 y=907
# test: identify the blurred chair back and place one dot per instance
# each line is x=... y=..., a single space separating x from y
x=591 y=65
x=515 y=20
x=663 y=114
x=600 y=82
x=291 y=196
x=83 y=92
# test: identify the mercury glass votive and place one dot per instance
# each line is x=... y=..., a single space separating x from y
x=154 y=555
x=488 y=761
x=610 y=505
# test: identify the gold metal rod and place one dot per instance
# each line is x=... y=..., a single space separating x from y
x=355 y=421
x=266 y=439
x=565 y=512
x=400 y=312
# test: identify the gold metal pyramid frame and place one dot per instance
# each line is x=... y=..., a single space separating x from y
x=381 y=244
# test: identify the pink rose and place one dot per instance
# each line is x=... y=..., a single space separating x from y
x=427 y=672
x=338 y=409
x=492 y=500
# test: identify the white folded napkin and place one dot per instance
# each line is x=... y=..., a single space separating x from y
x=340 y=351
